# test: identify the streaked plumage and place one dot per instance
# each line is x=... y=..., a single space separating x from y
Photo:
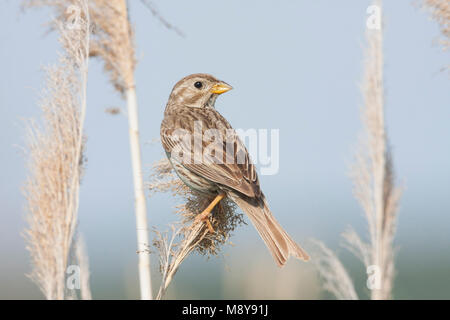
x=190 y=109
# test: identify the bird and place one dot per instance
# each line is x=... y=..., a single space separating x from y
x=191 y=125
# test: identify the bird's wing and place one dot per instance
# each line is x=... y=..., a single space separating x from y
x=235 y=170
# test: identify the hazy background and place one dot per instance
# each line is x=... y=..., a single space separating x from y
x=295 y=66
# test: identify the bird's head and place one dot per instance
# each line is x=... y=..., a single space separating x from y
x=197 y=90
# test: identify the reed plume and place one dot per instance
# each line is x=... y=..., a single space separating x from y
x=55 y=162
x=188 y=235
x=336 y=279
x=440 y=11
x=373 y=181
x=113 y=42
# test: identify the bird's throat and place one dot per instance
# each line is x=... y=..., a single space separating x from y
x=211 y=101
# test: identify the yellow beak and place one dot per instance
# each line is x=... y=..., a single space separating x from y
x=220 y=88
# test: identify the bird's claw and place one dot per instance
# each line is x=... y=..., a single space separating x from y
x=204 y=217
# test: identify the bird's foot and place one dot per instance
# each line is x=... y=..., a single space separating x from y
x=204 y=217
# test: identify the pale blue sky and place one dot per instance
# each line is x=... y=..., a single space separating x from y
x=295 y=66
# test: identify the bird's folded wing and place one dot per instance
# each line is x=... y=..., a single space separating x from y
x=235 y=171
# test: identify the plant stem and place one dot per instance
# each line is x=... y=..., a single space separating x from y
x=139 y=197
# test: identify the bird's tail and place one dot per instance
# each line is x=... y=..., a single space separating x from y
x=279 y=243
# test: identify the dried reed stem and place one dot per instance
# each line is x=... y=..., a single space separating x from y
x=189 y=235
x=157 y=15
x=373 y=178
x=114 y=44
x=373 y=175
x=172 y=254
x=56 y=160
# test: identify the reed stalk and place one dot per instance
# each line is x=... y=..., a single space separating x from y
x=373 y=186
x=55 y=162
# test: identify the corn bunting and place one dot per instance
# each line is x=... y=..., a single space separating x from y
x=209 y=157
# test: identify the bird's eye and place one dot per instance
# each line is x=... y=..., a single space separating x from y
x=198 y=85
